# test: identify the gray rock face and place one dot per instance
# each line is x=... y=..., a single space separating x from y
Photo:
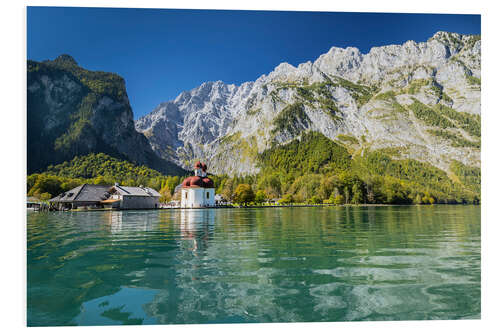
x=370 y=97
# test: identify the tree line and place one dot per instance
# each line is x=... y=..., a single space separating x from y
x=311 y=170
x=317 y=170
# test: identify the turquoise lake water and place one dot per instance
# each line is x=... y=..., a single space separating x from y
x=254 y=265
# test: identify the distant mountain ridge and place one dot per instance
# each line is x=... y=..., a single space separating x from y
x=73 y=112
x=421 y=99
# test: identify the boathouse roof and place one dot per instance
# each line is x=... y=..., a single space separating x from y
x=140 y=191
x=83 y=193
x=98 y=193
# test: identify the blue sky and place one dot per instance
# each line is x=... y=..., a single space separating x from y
x=161 y=52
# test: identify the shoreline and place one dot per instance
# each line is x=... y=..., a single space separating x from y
x=257 y=207
x=326 y=205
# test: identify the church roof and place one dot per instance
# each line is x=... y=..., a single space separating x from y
x=197 y=181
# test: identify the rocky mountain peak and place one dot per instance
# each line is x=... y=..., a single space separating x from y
x=65 y=59
x=373 y=98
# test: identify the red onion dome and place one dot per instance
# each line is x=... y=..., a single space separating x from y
x=196 y=181
x=208 y=183
x=197 y=165
x=193 y=181
x=186 y=182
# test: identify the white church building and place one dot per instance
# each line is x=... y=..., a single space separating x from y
x=198 y=191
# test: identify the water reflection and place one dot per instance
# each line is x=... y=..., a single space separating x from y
x=115 y=221
x=121 y=308
x=196 y=227
x=253 y=265
x=206 y=274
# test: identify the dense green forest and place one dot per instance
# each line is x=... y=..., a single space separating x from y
x=96 y=169
x=313 y=169
x=316 y=169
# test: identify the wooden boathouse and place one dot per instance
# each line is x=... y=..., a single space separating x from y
x=90 y=196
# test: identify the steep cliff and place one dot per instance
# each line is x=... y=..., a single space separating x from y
x=73 y=112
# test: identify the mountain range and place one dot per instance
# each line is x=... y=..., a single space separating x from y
x=418 y=101
x=421 y=101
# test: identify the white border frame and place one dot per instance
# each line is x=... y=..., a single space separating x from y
x=13 y=89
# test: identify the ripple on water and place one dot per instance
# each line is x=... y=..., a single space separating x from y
x=250 y=265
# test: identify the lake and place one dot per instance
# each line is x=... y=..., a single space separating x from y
x=254 y=265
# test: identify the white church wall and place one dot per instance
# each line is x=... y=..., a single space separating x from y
x=209 y=197
x=197 y=197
